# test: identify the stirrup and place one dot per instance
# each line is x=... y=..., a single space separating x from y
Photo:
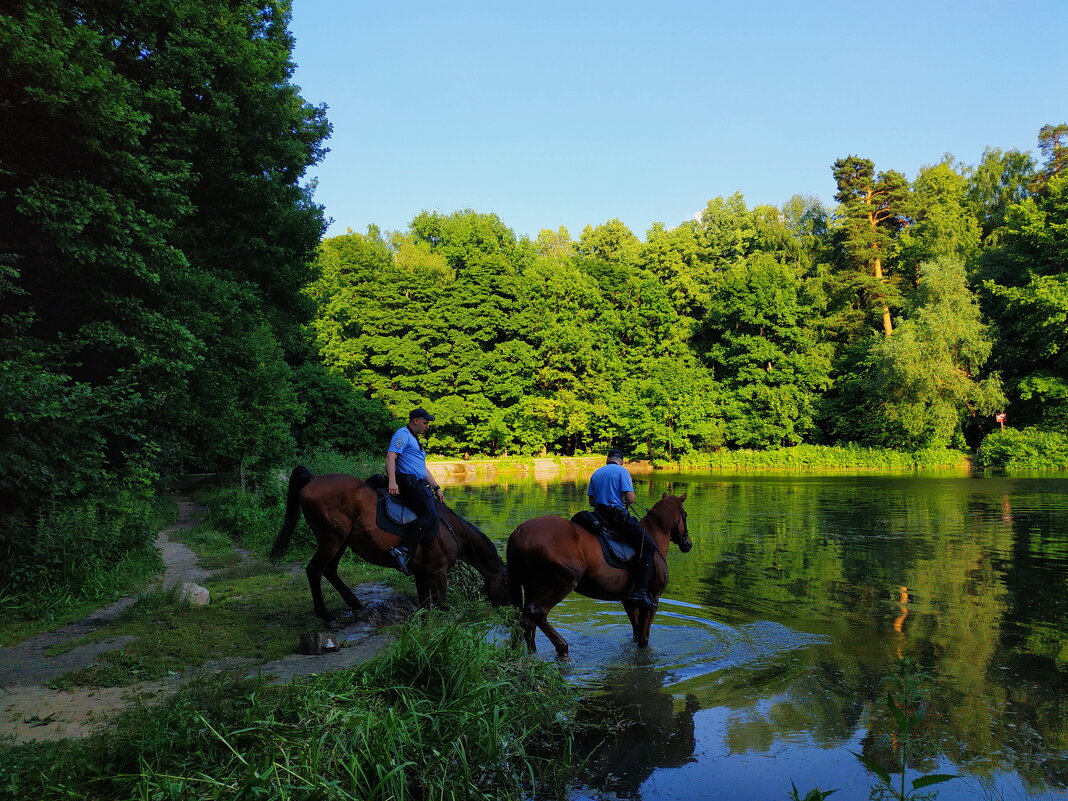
x=400 y=558
x=642 y=598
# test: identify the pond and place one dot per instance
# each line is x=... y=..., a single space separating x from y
x=801 y=593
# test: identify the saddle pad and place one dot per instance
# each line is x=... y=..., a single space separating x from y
x=391 y=515
x=617 y=553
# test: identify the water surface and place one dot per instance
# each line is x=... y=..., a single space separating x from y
x=800 y=594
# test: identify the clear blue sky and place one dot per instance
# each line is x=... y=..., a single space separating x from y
x=568 y=114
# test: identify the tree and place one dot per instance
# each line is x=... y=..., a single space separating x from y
x=156 y=237
x=916 y=389
x=998 y=182
x=873 y=209
x=1025 y=281
x=1053 y=144
x=944 y=223
x=764 y=350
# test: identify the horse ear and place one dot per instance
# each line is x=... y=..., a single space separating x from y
x=663 y=496
x=682 y=498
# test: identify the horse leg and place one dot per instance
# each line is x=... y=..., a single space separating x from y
x=330 y=571
x=431 y=588
x=641 y=620
x=540 y=601
x=320 y=559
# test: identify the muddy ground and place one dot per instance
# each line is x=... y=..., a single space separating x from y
x=31 y=710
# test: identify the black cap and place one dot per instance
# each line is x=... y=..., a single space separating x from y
x=616 y=453
x=420 y=412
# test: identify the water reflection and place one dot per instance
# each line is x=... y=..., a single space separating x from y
x=636 y=728
x=799 y=595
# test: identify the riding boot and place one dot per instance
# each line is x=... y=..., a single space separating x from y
x=401 y=555
x=643 y=574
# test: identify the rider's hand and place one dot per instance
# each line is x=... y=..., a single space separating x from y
x=393 y=488
x=440 y=493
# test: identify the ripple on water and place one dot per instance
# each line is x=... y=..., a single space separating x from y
x=685 y=641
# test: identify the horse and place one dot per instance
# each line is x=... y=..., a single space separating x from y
x=341 y=510
x=549 y=557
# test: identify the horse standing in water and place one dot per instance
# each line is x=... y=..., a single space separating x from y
x=549 y=557
x=341 y=511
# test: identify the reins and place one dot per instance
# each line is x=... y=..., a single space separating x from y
x=468 y=571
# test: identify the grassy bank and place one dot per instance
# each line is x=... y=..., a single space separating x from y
x=827 y=458
x=443 y=713
x=79 y=558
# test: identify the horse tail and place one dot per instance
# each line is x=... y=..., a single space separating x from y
x=298 y=480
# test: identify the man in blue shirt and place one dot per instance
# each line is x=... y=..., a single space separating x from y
x=611 y=492
x=409 y=477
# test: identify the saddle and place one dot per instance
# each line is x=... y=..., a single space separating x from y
x=617 y=553
x=390 y=515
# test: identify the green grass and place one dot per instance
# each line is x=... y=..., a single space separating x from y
x=443 y=713
x=256 y=613
x=56 y=606
x=85 y=571
x=827 y=458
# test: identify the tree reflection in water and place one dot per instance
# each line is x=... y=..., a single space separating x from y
x=635 y=727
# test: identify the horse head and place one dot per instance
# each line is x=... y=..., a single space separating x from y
x=677 y=522
x=478 y=551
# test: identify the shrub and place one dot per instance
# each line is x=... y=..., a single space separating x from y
x=1024 y=449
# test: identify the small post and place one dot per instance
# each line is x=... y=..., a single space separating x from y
x=1001 y=417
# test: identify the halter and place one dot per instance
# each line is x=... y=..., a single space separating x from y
x=675 y=529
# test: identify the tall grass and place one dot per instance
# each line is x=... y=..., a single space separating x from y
x=826 y=457
x=251 y=515
x=78 y=557
x=441 y=714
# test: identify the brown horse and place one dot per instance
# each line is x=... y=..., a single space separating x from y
x=341 y=511
x=549 y=557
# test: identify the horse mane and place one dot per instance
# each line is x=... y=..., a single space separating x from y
x=657 y=512
x=486 y=543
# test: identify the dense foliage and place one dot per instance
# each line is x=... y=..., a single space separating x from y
x=904 y=318
x=155 y=240
x=160 y=261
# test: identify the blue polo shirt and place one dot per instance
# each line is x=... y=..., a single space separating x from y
x=608 y=484
x=410 y=457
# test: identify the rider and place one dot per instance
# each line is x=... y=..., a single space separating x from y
x=611 y=492
x=409 y=477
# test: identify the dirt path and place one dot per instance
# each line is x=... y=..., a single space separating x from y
x=30 y=710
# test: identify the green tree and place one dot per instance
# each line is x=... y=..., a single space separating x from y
x=943 y=221
x=873 y=209
x=156 y=236
x=917 y=388
x=1025 y=282
x=998 y=182
x=764 y=349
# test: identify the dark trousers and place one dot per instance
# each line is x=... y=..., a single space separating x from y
x=627 y=526
x=417 y=495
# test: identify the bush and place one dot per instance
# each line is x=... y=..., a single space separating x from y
x=1024 y=449
x=251 y=516
x=826 y=457
x=94 y=549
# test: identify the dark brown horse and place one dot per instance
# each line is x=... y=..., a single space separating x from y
x=341 y=511
x=549 y=557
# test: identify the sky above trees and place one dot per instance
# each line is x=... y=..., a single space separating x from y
x=571 y=114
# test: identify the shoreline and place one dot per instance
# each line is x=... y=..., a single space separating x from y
x=459 y=470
